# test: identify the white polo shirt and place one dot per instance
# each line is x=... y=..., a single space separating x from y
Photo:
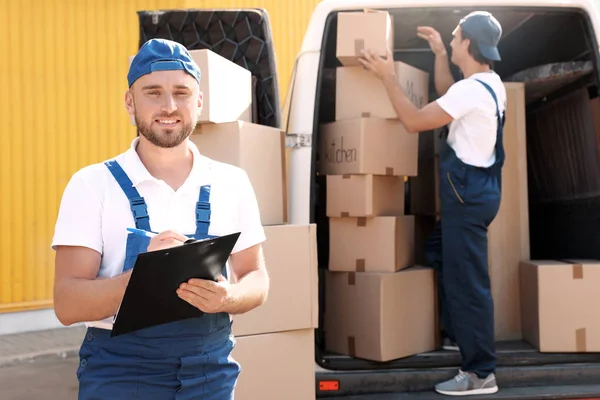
x=95 y=213
x=472 y=133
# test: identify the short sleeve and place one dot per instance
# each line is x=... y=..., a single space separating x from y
x=79 y=221
x=460 y=99
x=249 y=224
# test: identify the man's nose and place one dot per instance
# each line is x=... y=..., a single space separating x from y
x=169 y=105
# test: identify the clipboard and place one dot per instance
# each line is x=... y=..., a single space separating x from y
x=150 y=297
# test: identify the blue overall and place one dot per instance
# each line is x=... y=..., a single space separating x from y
x=188 y=359
x=457 y=249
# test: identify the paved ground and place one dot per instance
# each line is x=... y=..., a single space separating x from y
x=40 y=365
x=61 y=342
x=49 y=378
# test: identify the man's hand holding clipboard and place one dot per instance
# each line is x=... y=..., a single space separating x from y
x=207 y=296
x=176 y=279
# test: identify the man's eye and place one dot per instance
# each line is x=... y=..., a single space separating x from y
x=153 y=92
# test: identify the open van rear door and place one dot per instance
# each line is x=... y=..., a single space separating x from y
x=239 y=35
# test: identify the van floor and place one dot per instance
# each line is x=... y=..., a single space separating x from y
x=523 y=373
x=583 y=392
x=509 y=353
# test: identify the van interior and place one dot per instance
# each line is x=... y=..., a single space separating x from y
x=554 y=52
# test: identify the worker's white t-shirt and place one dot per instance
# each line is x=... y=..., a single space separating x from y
x=95 y=213
x=472 y=133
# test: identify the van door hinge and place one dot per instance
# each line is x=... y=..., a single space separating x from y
x=297 y=140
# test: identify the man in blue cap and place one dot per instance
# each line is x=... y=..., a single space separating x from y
x=161 y=183
x=470 y=173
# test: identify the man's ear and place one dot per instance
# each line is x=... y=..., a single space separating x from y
x=200 y=103
x=130 y=106
x=129 y=103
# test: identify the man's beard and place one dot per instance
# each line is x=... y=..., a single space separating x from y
x=174 y=139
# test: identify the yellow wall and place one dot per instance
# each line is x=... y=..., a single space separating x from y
x=63 y=77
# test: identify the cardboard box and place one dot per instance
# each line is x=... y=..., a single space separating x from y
x=508 y=234
x=226 y=86
x=560 y=303
x=380 y=316
x=379 y=244
x=363 y=30
x=293 y=303
x=276 y=366
x=367 y=146
x=257 y=149
x=359 y=93
x=365 y=195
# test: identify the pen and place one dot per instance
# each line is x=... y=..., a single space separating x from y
x=142 y=232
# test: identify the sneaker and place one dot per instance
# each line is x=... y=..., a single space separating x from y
x=467 y=383
x=448 y=344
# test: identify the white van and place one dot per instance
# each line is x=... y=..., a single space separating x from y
x=536 y=32
x=561 y=34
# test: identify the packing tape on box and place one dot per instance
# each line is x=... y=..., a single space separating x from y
x=365 y=114
x=351 y=346
x=360 y=265
x=577 y=271
x=361 y=221
x=359 y=46
x=580 y=340
x=389 y=171
x=577 y=268
x=344 y=214
x=346 y=176
x=351 y=279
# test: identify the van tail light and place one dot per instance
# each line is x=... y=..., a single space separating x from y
x=329 y=386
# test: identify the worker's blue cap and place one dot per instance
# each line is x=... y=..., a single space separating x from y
x=485 y=30
x=162 y=55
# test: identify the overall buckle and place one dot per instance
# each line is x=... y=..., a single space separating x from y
x=202 y=212
x=139 y=208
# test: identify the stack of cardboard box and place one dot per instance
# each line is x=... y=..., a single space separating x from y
x=281 y=331
x=379 y=305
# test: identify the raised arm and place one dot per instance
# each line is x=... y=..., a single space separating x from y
x=442 y=76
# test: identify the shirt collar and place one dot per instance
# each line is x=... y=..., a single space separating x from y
x=137 y=172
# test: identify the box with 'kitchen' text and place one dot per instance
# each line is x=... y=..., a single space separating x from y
x=290 y=253
x=257 y=149
x=367 y=146
x=378 y=244
x=359 y=93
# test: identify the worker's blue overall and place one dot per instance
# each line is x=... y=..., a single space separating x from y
x=457 y=249
x=188 y=359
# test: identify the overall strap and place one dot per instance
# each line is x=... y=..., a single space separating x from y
x=203 y=211
x=136 y=202
x=499 y=130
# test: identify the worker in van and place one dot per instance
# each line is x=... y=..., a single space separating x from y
x=161 y=184
x=471 y=115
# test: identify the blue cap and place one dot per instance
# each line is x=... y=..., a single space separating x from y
x=162 y=55
x=485 y=30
